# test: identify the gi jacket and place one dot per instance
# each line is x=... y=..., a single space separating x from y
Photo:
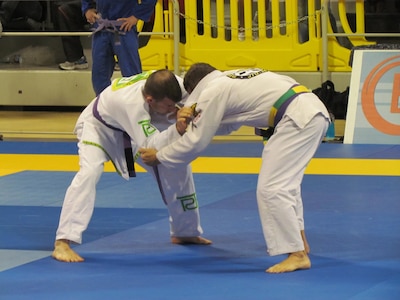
x=225 y=102
x=124 y=108
x=115 y=9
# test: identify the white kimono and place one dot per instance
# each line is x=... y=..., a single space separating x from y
x=122 y=106
x=223 y=105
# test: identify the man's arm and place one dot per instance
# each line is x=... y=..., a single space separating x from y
x=184 y=116
x=149 y=156
x=87 y=4
x=89 y=11
x=144 y=10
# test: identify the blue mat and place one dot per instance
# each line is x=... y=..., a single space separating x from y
x=226 y=149
x=352 y=224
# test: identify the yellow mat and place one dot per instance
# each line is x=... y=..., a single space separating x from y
x=13 y=163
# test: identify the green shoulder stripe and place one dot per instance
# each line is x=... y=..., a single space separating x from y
x=122 y=82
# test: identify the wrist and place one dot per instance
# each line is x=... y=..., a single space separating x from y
x=180 y=130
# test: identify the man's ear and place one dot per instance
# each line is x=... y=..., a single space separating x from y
x=149 y=99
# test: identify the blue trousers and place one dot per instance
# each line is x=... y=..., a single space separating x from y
x=105 y=45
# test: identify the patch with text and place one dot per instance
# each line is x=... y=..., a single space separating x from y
x=188 y=202
x=246 y=73
x=147 y=127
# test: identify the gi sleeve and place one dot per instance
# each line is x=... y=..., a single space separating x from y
x=87 y=4
x=227 y=129
x=137 y=123
x=200 y=133
x=161 y=139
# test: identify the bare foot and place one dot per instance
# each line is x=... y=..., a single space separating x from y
x=306 y=245
x=63 y=252
x=198 y=240
x=295 y=261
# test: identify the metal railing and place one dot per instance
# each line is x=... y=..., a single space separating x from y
x=175 y=33
x=360 y=28
x=324 y=38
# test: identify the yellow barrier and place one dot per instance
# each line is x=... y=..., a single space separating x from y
x=276 y=35
x=272 y=36
x=159 y=51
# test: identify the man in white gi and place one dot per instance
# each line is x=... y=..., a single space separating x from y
x=113 y=127
x=297 y=122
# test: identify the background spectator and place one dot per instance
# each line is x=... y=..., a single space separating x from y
x=21 y=15
x=68 y=17
x=115 y=35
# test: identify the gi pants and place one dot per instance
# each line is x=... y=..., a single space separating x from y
x=284 y=160
x=176 y=184
x=105 y=45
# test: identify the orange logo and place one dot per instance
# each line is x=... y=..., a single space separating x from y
x=368 y=97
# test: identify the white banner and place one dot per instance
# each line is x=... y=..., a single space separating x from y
x=373 y=113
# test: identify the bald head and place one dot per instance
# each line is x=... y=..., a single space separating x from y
x=163 y=84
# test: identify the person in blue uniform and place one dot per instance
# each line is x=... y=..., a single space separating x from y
x=115 y=35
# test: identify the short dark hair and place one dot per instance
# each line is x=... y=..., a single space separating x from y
x=196 y=73
x=163 y=84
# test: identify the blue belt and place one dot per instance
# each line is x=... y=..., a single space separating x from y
x=110 y=26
